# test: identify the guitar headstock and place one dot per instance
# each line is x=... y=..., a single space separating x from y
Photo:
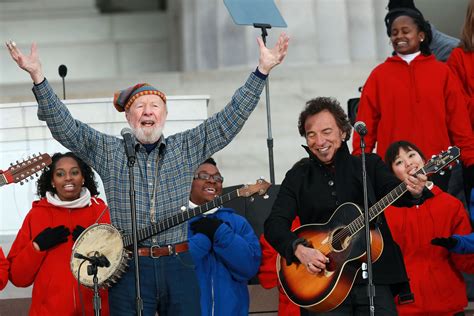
x=441 y=161
x=260 y=187
x=25 y=169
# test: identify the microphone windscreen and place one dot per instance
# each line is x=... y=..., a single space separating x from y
x=62 y=71
x=126 y=131
x=360 y=128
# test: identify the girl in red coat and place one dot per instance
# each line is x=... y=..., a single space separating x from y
x=3 y=270
x=41 y=252
x=413 y=96
x=434 y=272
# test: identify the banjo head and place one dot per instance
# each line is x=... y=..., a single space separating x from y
x=106 y=240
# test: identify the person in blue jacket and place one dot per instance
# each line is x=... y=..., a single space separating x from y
x=224 y=248
x=463 y=244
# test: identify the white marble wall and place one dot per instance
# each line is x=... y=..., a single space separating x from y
x=190 y=35
x=91 y=45
x=322 y=31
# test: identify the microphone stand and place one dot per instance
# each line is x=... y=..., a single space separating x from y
x=367 y=275
x=92 y=270
x=139 y=302
x=264 y=28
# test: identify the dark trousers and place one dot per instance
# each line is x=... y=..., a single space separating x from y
x=357 y=303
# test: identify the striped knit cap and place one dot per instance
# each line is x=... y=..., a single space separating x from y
x=123 y=99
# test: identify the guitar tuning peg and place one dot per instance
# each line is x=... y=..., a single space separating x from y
x=34 y=155
x=31 y=177
x=266 y=196
x=433 y=156
x=21 y=182
x=252 y=199
x=442 y=172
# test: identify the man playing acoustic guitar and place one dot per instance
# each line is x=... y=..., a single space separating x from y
x=313 y=191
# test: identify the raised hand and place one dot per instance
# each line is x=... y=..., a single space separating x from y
x=269 y=58
x=29 y=63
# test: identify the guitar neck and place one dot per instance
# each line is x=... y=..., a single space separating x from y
x=179 y=218
x=380 y=206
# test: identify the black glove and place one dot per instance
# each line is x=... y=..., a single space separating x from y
x=206 y=226
x=447 y=243
x=77 y=231
x=51 y=237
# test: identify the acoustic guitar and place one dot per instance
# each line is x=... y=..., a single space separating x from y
x=342 y=240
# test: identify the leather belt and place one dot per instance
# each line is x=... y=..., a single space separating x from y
x=158 y=251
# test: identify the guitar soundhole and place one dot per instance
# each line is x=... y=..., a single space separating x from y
x=339 y=240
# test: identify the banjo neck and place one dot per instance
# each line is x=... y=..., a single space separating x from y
x=247 y=190
x=179 y=218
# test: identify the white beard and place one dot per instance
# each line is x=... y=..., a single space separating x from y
x=146 y=135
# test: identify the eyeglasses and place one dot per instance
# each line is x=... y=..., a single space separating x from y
x=207 y=176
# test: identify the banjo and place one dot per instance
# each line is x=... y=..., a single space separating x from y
x=106 y=240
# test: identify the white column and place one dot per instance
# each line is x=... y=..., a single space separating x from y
x=384 y=49
x=230 y=39
x=362 y=33
x=302 y=28
x=332 y=31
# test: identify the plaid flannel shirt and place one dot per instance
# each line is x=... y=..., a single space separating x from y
x=176 y=158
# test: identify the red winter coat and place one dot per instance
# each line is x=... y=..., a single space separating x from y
x=268 y=278
x=421 y=102
x=3 y=270
x=462 y=64
x=55 y=289
x=434 y=272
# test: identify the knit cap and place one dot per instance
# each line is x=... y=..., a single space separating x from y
x=123 y=99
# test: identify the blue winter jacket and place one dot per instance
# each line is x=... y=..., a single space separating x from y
x=465 y=244
x=224 y=267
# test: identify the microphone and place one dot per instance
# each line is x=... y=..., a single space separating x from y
x=97 y=259
x=129 y=142
x=62 y=70
x=360 y=128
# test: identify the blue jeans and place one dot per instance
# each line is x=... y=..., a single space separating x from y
x=168 y=285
